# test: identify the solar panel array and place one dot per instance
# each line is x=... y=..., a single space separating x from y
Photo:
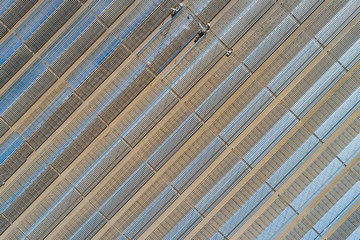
x=125 y=119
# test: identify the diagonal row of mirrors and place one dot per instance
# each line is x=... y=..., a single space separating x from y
x=238 y=145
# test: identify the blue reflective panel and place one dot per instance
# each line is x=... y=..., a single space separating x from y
x=317 y=185
x=355 y=235
x=174 y=141
x=339 y=209
x=151 y=209
x=243 y=118
x=20 y=85
x=305 y=8
x=121 y=237
x=206 y=154
x=119 y=87
x=100 y=6
x=310 y=235
x=98 y=161
x=217 y=236
x=229 y=29
x=96 y=57
x=27 y=181
x=129 y=181
x=197 y=8
x=93 y=223
x=47 y=112
x=215 y=192
x=294 y=161
x=37 y=17
x=172 y=57
x=8 y=141
x=182 y=225
x=169 y=138
x=254 y=201
x=143 y=116
x=271 y=41
x=339 y=115
x=10 y=144
x=167 y=35
x=133 y=19
x=5 y=4
x=294 y=66
x=337 y=23
x=278 y=224
x=49 y=211
x=71 y=137
x=8 y=47
x=68 y=37
x=316 y=91
x=351 y=56
x=351 y=150
x=179 y=80
x=271 y=137
x=227 y=87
